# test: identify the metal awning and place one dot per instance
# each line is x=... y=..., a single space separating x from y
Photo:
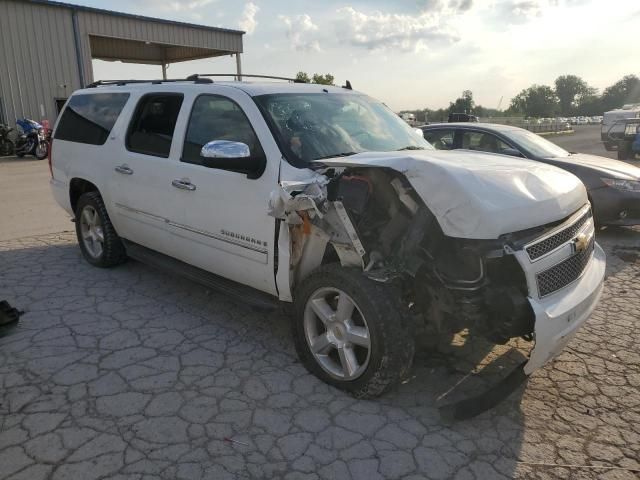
x=135 y=51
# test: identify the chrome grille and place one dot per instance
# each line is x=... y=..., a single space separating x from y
x=549 y=244
x=565 y=272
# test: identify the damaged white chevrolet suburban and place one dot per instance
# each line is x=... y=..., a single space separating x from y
x=323 y=197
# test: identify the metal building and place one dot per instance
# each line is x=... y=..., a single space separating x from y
x=46 y=48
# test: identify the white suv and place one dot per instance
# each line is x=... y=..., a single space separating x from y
x=323 y=197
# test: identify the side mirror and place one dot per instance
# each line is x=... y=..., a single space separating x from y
x=511 y=151
x=225 y=149
x=419 y=132
x=233 y=156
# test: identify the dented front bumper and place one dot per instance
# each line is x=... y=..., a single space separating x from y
x=559 y=316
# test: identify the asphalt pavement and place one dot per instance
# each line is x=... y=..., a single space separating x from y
x=26 y=205
x=131 y=373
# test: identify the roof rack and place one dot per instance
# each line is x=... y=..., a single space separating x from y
x=198 y=78
x=102 y=83
x=235 y=75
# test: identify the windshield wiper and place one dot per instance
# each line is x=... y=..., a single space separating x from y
x=411 y=147
x=343 y=154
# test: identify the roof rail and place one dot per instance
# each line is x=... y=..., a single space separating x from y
x=196 y=78
x=235 y=75
x=102 y=83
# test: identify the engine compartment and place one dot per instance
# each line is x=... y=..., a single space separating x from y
x=372 y=218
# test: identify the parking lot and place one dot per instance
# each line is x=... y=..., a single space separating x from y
x=134 y=373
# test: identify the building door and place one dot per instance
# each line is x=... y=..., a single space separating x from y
x=60 y=105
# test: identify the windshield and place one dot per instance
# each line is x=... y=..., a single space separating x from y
x=535 y=144
x=313 y=126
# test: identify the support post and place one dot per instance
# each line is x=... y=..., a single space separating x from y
x=239 y=67
x=164 y=71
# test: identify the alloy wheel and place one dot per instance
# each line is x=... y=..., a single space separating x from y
x=92 y=231
x=337 y=333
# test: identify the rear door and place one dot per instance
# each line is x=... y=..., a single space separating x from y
x=142 y=169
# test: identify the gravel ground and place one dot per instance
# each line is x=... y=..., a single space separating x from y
x=133 y=373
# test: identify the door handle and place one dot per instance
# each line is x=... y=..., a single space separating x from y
x=183 y=184
x=124 y=169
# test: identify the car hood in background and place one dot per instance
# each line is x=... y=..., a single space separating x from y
x=479 y=195
x=606 y=167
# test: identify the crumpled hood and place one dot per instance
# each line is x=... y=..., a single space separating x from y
x=478 y=195
x=606 y=166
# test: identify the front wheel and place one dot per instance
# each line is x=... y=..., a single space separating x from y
x=100 y=244
x=42 y=150
x=352 y=332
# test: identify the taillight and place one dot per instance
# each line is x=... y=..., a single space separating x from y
x=49 y=155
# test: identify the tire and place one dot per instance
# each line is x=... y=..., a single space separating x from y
x=624 y=151
x=6 y=148
x=20 y=155
x=609 y=147
x=377 y=310
x=98 y=240
x=42 y=150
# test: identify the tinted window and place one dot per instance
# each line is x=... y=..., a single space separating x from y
x=90 y=118
x=440 y=139
x=151 y=130
x=217 y=118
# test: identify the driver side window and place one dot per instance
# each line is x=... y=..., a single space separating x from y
x=217 y=118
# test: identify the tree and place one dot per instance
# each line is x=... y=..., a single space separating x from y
x=326 y=79
x=535 y=101
x=463 y=104
x=571 y=91
x=303 y=77
x=626 y=90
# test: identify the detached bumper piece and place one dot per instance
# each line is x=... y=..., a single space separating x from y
x=8 y=314
x=473 y=406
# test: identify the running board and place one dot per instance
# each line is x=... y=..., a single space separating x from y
x=249 y=295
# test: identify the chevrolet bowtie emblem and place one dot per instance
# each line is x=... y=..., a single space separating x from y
x=581 y=242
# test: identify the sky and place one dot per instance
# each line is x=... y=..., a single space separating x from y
x=411 y=53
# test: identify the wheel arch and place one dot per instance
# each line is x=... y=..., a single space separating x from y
x=78 y=187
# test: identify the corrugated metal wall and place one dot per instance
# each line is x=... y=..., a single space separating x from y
x=104 y=25
x=37 y=59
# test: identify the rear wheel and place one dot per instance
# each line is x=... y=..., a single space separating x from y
x=624 y=151
x=6 y=148
x=42 y=149
x=351 y=332
x=98 y=240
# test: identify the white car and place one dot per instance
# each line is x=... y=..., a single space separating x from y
x=322 y=196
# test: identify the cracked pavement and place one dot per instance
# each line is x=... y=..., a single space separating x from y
x=138 y=374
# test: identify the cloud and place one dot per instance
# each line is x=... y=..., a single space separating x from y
x=177 y=6
x=400 y=32
x=523 y=11
x=248 y=20
x=301 y=32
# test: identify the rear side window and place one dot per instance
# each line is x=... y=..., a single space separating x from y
x=90 y=118
x=151 y=130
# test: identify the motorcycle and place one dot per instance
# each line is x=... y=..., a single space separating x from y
x=32 y=139
x=7 y=147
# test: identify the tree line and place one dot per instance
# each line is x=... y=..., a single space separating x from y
x=569 y=96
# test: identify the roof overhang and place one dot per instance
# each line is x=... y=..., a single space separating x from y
x=135 y=51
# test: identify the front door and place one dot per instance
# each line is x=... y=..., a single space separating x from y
x=225 y=227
